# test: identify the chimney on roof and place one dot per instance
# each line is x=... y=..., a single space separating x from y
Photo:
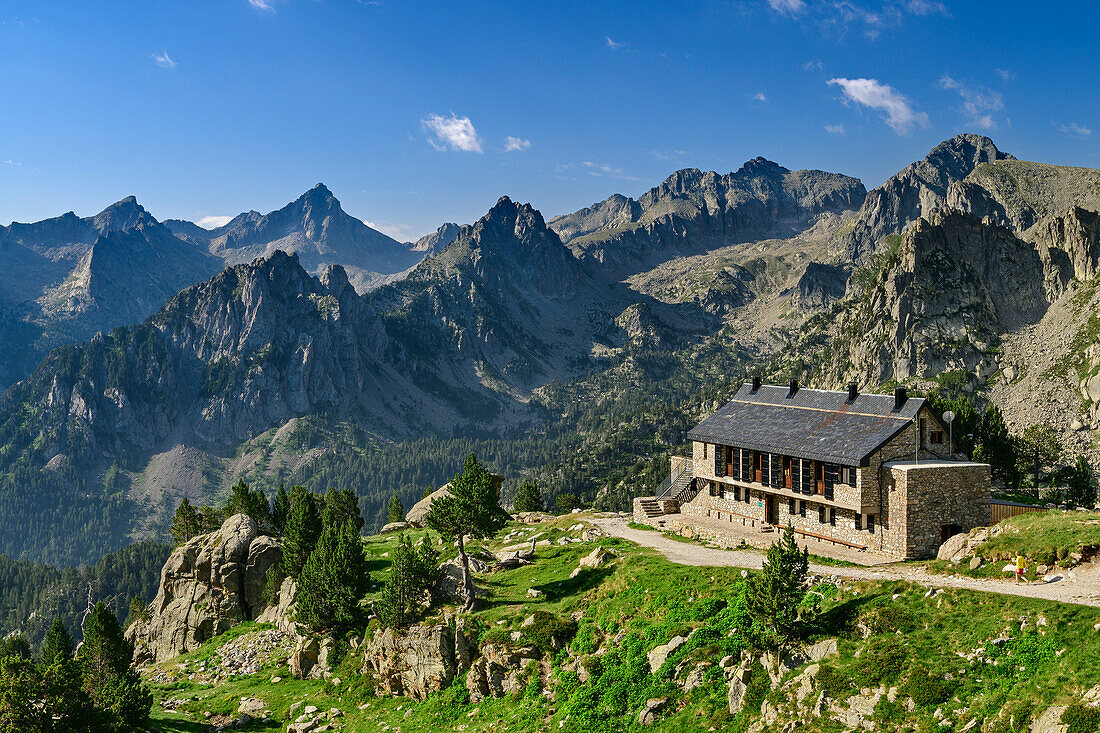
x=901 y=394
x=794 y=388
x=853 y=391
x=755 y=382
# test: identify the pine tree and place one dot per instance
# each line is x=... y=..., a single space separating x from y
x=21 y=693
x=1081 y=486
x=395 y=510
x=243 y=500
x=471 y=510
x=406 y=589
x=65 y=698
x=529 y=498
x=303 y=528
x=280 y=510
x=1039 y=449
x=340 y=506
x=186 y=524
x=210 y=519
x=333 y=580
x=58 y=645
x=109 y=681
x=996 y=446
x=774 y=595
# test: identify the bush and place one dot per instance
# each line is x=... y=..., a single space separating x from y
x=887 y=619
x=587 y=639
x=882 y=660
x=1081 y=719
x=549 y=632
x=928 y=688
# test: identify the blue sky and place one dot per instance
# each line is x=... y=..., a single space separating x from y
x=419 y=113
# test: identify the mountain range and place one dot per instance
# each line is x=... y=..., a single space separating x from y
x=573 y=350
x=70 y=277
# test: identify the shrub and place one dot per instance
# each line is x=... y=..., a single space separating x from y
x=834 y=683
x=927 y=687
x=549 y=632
x=587 y=639
x=882 y=660
x=887 y=619
x=1081 y=719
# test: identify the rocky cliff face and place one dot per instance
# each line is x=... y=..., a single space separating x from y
x=916 y=191
x=937 y=303
x=209 y=584
x=693 y=211
x=255 y=345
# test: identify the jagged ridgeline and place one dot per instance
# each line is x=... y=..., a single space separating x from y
x=576 y=352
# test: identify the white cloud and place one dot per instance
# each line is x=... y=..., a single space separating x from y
x=261 y=5
x=1006 y=75
x=978 y=103
x=814 y=65
x=791 y=7
x=614 y=45
x=895 y=108
x=1072 y=129
x=163 y=60
x=213 y=222
x=834 y=129
x=928 y=7
x=515 y=144
x=454 y=132
x=670 y=154
x=14 y=164
x=603 y=169
x=760 y=97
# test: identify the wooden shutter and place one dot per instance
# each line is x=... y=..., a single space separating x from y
x=776 y=473
x=719 y=460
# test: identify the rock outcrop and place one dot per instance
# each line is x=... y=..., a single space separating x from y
x=209 y=584
x=419 y=660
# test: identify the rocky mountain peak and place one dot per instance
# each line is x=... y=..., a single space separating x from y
x=122 y=216
x=956 y=158
x=760 y=167
x=917 y=190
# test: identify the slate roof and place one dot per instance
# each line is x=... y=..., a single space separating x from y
x=813 y=423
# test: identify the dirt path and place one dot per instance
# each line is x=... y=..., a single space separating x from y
x=1083 y=588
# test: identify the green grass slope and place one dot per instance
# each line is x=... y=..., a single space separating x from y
x=950 y=655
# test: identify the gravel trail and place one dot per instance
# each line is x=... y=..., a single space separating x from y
x=1082 y=588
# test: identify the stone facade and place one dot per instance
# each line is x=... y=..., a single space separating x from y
x=894 y=505
x=933 y=500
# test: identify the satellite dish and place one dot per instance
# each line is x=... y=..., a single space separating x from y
x=948 y=417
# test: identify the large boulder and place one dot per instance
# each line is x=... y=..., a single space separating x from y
x=209 y=584
x=500 y=671
x=417 y=516
x=419 y=660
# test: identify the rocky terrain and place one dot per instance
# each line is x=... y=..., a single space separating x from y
x=67 y=278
